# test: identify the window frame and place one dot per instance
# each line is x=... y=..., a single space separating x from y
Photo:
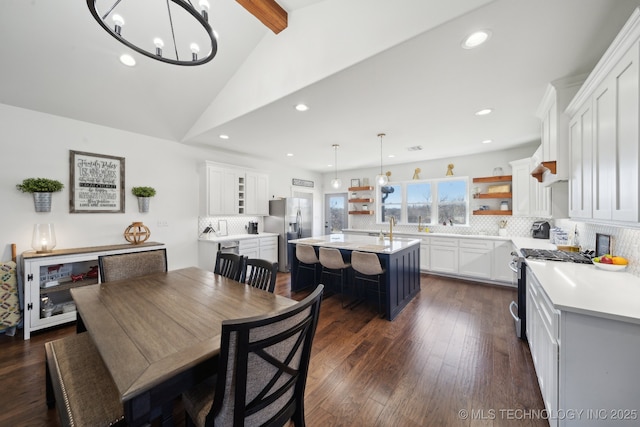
x=434 y=200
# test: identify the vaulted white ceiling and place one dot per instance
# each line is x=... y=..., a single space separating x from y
x=362 y=66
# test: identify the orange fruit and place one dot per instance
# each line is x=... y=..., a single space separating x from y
x=618 y=260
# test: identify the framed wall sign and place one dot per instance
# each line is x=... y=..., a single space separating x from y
x=355 y=182
x=96 y=183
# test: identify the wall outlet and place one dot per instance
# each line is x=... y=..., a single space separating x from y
x=163 y=223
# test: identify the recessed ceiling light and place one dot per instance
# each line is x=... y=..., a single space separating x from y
x=301 y=107
x=476 y=39
x=484 y=112
x=289 y=154
x=392 y=156
x=223 y=136
x=127 y=60
x=487 y=141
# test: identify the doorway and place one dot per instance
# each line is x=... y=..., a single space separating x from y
x=336 y=216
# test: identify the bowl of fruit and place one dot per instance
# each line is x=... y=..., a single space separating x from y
x=610 y=263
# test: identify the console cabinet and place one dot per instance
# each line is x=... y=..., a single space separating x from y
x=49 y=277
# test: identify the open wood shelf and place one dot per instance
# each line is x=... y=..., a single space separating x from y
x=500 y=178
x=494 y=196
x=368 y=188
x=491 y=212
x=360 y=212
x=360 y=200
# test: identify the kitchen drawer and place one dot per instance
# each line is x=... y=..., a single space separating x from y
x=249 y=244
x=268 y=241
x=476 y=244
x=444 y=241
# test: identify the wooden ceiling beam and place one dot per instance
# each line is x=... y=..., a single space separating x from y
x=268 y=12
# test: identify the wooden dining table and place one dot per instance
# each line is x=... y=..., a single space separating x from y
x=160 y=334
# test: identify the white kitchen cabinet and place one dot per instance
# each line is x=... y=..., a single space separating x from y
x=425 y=256
x=256 y=193
x=543 y=344
x=249 y=248
x=522 y=186
x=221 y=190
x=581 y=152
x=443 y=252
x=49 y=277
x=555 y=127
x=475 y=258
x=269 y=248
x=613 y=91
x=228 y=190
x=501 y=259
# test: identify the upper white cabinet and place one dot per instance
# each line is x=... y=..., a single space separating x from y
x=228 y=190
x=605 y=180
x=553 y=163
x=581 y=149
x=257 y=193
x=522 y=186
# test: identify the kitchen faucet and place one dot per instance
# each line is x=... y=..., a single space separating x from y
x=392 y=222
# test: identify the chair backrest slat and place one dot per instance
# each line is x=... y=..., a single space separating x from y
x=230 y=265
x=261 y=274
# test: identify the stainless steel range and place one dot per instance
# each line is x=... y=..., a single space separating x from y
x=519 y=309
x=556 y=255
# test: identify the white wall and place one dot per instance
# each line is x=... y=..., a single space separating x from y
x=37 y=145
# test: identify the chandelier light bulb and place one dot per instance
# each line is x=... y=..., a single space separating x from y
x=195 y=49
x=118 y=22
x=159 y=45
x=204 y=6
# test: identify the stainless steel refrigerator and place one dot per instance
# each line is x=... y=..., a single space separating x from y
x=291 y=218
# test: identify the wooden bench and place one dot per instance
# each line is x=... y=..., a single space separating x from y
x=79 y=384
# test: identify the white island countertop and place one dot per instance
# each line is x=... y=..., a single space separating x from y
x=359 y=243
x=586 y=289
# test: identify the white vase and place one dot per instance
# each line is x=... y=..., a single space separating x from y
x=502 y=231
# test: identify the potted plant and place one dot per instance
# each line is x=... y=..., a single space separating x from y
x=143 y=194
x=41 y=188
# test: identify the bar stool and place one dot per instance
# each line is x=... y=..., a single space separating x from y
x=333 y=264
x=367 y=268
x=308 y=260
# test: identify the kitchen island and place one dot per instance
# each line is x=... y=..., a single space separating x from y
x=400 y=257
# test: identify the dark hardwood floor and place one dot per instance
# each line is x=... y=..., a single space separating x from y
x=451 y=358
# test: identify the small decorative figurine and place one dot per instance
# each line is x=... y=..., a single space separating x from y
x=416 y=172
x=450 y=169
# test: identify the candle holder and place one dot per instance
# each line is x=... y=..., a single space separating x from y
x=44 y=238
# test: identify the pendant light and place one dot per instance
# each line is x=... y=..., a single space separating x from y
x=336 y=182
x=381 y=179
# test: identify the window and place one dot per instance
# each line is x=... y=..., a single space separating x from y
x=433 y=201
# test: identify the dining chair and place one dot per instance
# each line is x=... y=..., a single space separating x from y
x=334 y=265
x=367 y=267
x=132 y=264
x=230 y=265
x=79 y=384
x=261 y=274
x=307 y=260
x=262 y=370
